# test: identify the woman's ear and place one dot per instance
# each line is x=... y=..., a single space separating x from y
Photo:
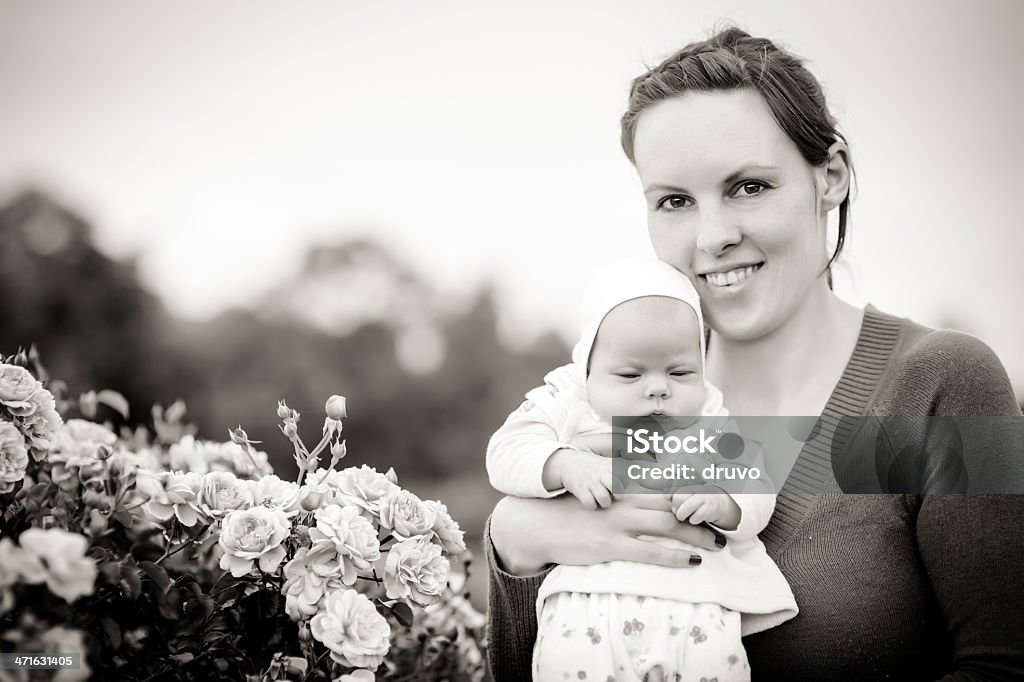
x=835 y=175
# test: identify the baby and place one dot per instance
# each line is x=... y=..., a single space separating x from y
x=640 y=353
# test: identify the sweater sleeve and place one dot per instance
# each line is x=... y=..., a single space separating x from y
x=511 y=617
x=971 y=547
x=971 y=544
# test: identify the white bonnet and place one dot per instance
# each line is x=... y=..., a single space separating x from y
x=623 y=281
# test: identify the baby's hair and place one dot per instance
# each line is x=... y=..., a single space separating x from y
x=730 y=60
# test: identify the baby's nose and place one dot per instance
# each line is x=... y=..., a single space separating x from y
x=657 y=388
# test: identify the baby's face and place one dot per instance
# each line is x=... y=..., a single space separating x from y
x=646 y=360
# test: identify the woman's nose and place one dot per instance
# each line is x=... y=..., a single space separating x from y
x=716 y=232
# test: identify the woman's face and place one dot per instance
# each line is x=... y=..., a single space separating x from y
x=734 y=206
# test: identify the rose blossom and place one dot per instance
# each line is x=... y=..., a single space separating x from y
x=178 y=497
x=81 y=434
x=123 y=462
x=274 y=493
x=18 y=389
x=60 y=640
x=77 y=456
x=222 y=492
x=201 y=456
x=416 y=569
x=68 y=572
x=352 y=629
x=250 y=535
x=14 y=564
x=41 y=428
x=363 y=486
x=326 y=483
x=308 y=577
x=13 y=457
x=19 y=564
x=350 y=535
x=406 y=514
x=446 y=530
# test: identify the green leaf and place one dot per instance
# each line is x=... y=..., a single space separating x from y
x=113 y=632
x=131 y=583
x=168 y=607
x=186 y=579
x=111 y=571
x=113 y=400
x=227 y=596
x=157 y=574
x=208 y=606
x=146 y=551
x=209 y=542
x=183 y=658
x=403 y=613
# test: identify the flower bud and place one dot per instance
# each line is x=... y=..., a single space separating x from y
x=97 y=522
x=305 y=635
x=238 y=436
x=175 y=412
x=312 y=501
x=289 y=429
x=96 y=500
x=87 y=403
x=94 y=483
x=338 y=450
x=332 y=426
x=283 y=412
x=336 y=407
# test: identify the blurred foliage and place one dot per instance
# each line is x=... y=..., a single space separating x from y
x=333 y=329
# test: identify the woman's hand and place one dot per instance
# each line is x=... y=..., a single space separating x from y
x=529 y=534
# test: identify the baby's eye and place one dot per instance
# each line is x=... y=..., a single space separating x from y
x=681 y=373
x=674 y=202
x=628 y=375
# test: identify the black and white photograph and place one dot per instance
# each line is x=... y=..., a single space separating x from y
x=667 y=341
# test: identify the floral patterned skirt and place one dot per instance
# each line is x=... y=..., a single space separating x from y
x=615 y=638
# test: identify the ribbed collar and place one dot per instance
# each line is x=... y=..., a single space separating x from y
x=852 y=396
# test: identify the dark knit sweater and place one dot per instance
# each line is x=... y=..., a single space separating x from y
x=897 y=587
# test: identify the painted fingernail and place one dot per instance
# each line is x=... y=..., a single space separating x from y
x=695 y=559
x=720 y=540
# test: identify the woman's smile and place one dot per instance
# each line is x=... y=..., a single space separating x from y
x=729 y=278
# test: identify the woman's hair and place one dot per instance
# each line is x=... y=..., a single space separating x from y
x=729 y=60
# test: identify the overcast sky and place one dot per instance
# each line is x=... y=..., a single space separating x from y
x=217 y=141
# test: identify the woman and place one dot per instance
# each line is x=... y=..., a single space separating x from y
x=741 y=163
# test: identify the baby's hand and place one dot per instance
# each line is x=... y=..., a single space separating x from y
x=587 y=476
x=717 y=507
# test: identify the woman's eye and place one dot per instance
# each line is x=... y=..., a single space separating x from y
x=750 y=188
x=674 y=202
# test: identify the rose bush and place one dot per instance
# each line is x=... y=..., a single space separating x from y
x=161 y=556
